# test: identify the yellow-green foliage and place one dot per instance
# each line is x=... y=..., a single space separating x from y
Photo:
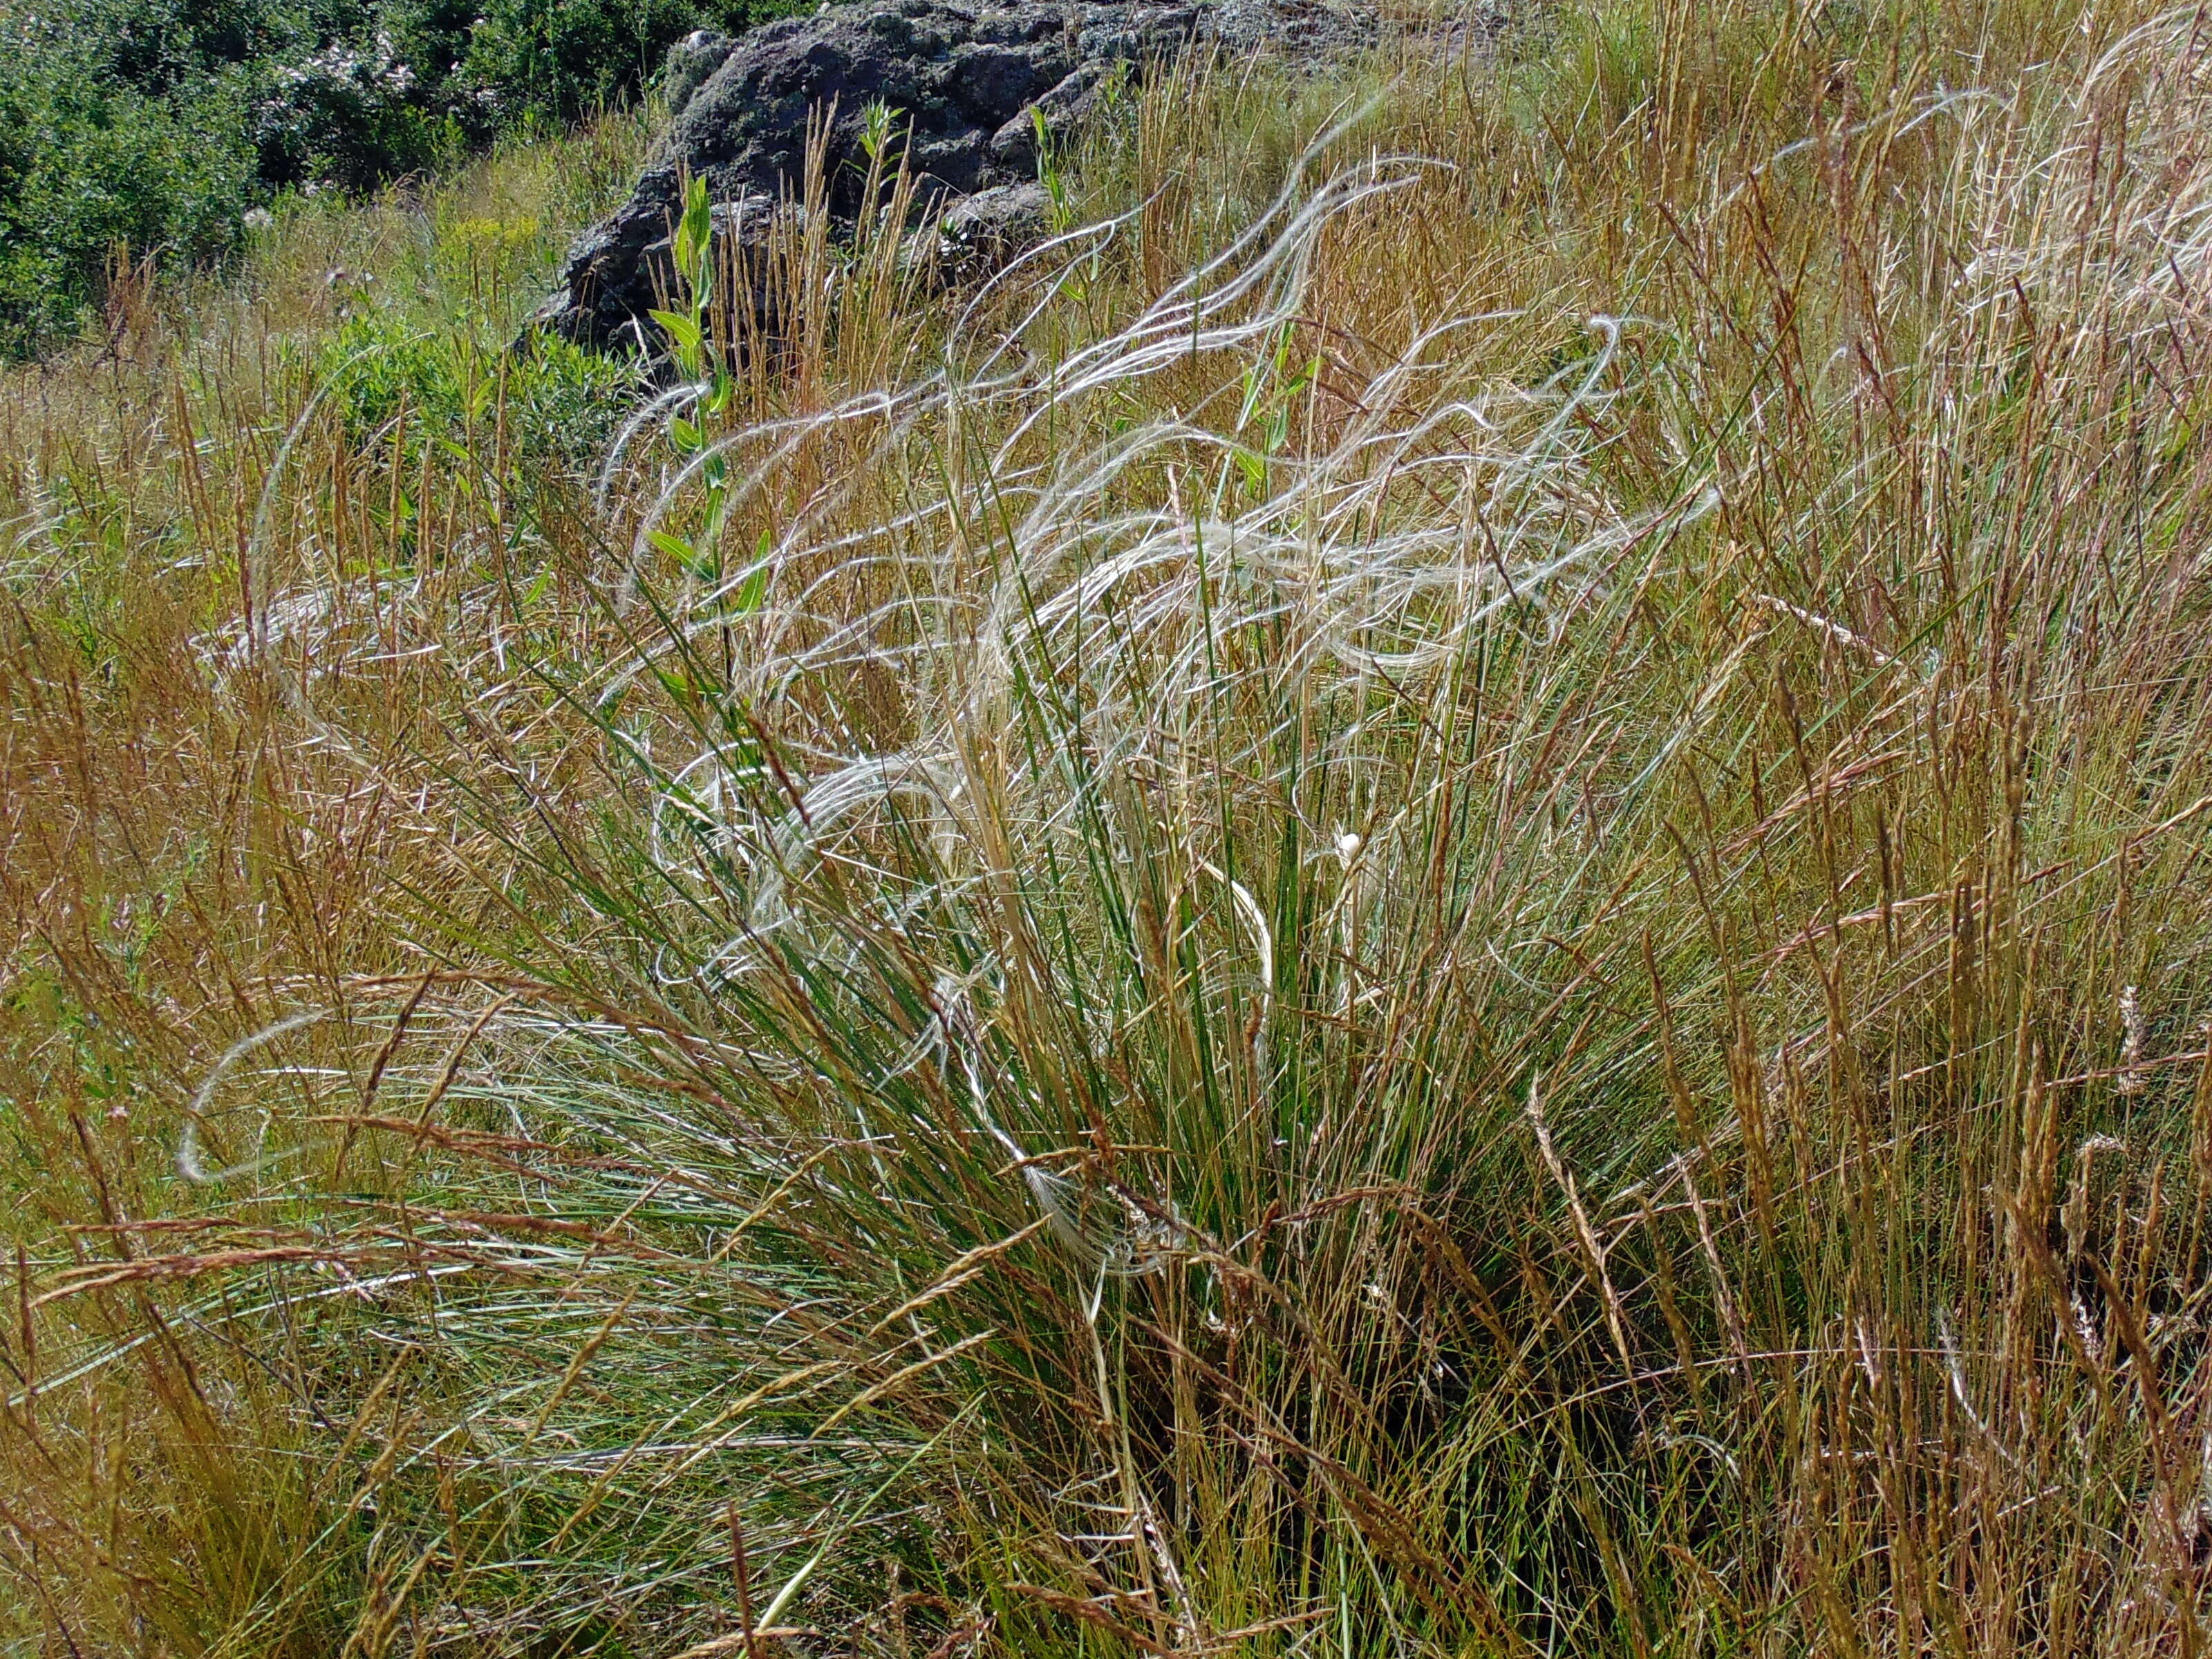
x=1445 y=894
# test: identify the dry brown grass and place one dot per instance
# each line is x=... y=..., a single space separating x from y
x=1484 y=934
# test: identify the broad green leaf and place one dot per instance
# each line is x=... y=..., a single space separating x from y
x=751 y=592
x=694 y=236
x=684 y=333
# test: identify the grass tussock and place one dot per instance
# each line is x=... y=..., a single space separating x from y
x=1443 y=894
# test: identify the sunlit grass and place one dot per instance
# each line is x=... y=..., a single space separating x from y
x=1442 y=895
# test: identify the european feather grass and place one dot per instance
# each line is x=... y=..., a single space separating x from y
x=1478 y=932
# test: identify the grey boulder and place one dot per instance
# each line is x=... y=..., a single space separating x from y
x=968 y=87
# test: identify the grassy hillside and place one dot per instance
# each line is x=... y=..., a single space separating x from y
x=1445 y=895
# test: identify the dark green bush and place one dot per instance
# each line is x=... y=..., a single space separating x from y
x=154 y=125
x=493 y=63
x=88 y=169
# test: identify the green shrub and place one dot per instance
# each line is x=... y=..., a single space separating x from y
x=157 y=124
x=492 y=64
x=87 y=169
x=561 y=403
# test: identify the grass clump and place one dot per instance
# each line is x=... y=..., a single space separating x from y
x=1442 y=895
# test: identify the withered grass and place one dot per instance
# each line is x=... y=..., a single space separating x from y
x=1446 y=894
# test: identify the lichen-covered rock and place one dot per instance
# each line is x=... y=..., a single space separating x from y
x=978 y=234
x=691 y=61
x=966 y=85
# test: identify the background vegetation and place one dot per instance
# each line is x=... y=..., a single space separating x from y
x=148 y=130
x=1444 y=896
